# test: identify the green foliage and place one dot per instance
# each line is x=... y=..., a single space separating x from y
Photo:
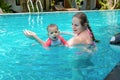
x=52 y=3
x=118 y=5
x=78 y=2
x=104 y=5
x=5 y=7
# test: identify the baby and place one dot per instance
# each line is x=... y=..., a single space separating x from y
x=54 y=36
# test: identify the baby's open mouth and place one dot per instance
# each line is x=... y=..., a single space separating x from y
x=54 y=38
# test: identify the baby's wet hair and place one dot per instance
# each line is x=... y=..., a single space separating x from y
x=51 y=26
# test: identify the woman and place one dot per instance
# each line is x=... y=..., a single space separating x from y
x=82 y=31
x=82 y=35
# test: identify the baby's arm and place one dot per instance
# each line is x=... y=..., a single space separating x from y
x=33 y=35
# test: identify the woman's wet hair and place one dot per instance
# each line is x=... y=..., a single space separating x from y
x=85 y=23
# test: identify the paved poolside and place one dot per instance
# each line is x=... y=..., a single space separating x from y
x=114 y=74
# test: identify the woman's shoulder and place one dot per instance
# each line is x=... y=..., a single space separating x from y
x=85 y=39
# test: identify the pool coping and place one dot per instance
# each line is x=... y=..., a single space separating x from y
x=59 y=12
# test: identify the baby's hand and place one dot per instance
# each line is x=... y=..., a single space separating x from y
x=29 y=33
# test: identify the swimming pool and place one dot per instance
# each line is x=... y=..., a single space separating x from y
x=19 y=60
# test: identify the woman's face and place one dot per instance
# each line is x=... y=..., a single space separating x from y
x=76 y=26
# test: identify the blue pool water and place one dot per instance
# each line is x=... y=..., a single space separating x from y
x=20 y=60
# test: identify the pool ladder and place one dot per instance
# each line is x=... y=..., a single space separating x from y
x=38 y=1
x=30 y=3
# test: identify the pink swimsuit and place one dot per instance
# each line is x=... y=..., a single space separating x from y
x=92 y=44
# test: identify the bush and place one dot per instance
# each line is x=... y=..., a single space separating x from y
x=5 y=7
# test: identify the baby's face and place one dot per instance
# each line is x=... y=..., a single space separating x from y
x=53 y=33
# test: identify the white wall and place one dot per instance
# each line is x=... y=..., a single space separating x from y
x=93 y=3
x=84 y=5
x=14 y=6
x=47 y=4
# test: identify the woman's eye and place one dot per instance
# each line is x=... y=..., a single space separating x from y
x=76 y=25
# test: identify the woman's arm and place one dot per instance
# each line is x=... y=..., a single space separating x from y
x=33 y=35
x=67 y=33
